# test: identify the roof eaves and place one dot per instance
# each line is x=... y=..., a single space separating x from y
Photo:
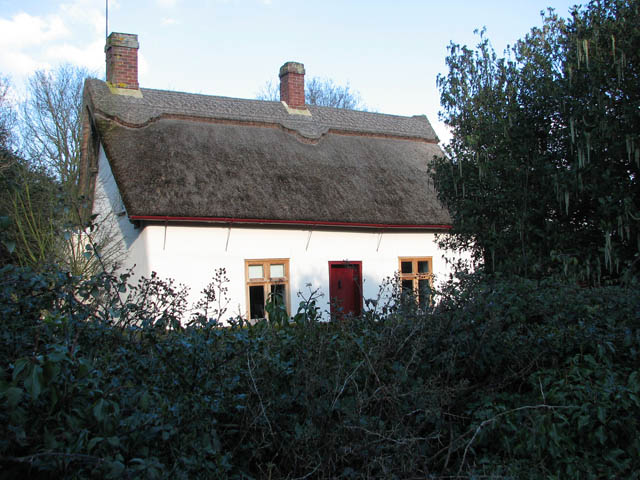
x=309 y=223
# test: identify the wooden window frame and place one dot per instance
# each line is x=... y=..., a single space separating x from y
x=267 y=281
x=415 y=276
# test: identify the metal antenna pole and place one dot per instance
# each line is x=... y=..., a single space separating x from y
x=106 y=19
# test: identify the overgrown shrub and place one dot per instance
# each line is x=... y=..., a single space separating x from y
x=514 y=378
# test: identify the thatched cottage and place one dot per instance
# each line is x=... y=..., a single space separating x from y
x=280 y=194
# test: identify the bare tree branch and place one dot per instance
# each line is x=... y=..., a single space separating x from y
x=319 y=91
x=52 y=122
x=8 y=121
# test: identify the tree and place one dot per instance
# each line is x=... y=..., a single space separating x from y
x=7 y=162
x=541 y=175
x=7 y=120
x=41 y=199
x=52 y=122
x=319 y=91
x=32 y=213
x=28 y=197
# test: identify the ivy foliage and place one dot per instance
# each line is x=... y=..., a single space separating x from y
x=542 y=171
x=103 y=378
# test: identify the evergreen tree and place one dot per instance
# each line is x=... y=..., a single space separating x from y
x=541 y=175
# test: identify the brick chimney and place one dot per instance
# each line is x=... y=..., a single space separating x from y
x=292 y=84
x=122 y=60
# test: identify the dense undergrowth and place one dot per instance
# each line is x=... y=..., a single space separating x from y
x=499 y=379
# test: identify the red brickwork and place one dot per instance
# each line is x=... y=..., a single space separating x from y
x=122 y=60
x=292 y=84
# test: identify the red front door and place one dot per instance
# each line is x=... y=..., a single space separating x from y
x=345 y=288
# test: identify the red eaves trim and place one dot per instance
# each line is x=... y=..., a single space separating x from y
x=231 y=220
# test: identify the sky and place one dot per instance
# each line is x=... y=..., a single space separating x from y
x=389 y=51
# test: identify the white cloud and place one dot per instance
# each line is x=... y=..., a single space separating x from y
x=73 y=33
x=169 y=21
x=90 y=55
x=20 y=64
x=23 y=33
x=25 y=30
x=85 y=12
x=167 y=3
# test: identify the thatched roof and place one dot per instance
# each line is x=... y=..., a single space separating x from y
x=192 y=156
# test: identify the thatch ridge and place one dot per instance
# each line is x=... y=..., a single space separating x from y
x=155 y=103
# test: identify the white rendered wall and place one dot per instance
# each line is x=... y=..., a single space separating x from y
x=112 y=219
x=190 y=254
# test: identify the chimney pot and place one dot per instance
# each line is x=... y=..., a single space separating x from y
x=122 y=60
x=292 y=84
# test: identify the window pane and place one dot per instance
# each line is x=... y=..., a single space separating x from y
x=277 y=270
x=256 y=301
x=255 y=271
x=278 y=293
x=423 y=266
x=424 y=289
x=406 y=267
x=407 y=286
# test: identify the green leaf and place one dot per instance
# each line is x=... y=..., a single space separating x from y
x=51 y=371
x=144 y=401
x=83 y=368
x=602 y=415
x=10 y=245
x=33 y=382
x=93 y=442
x=14 y=395
x=117 y=468
x=19 y=367
x=57 y=355
x=583 y=421
x=98 y=410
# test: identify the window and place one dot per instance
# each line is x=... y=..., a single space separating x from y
x=415 y=277
x=266 y=278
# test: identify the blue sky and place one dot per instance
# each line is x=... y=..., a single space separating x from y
x=390 y=51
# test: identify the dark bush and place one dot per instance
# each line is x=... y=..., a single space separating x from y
x=514 y=378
